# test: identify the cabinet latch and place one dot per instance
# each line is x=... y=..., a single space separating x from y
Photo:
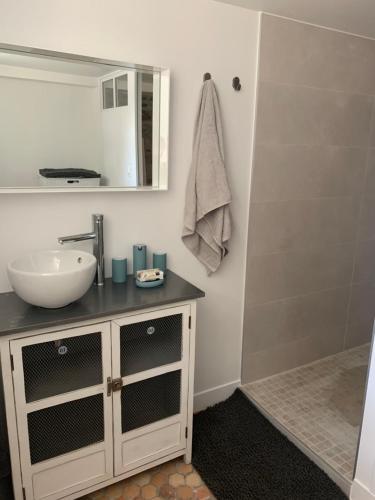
x=116 y=384
x=113 y=385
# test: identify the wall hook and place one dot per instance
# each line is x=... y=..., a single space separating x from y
x=206 y=76
x=236 y=83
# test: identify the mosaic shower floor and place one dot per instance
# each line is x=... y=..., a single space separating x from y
x=320 y=404
x=170 y=481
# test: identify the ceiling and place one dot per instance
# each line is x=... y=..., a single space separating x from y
x=353 y=16
x=54 y=64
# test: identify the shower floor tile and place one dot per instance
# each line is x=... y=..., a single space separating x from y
x=320 y=404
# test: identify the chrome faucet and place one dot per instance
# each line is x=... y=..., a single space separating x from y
x=97 y=237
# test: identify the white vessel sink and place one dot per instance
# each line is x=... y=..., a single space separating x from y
x=52 y=278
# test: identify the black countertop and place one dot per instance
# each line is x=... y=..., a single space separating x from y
x=100 y=301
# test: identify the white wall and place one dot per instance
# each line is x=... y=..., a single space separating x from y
x=190 y=37
x=46 y=125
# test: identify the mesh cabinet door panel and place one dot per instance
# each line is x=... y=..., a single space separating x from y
x=67 y=427
x=150 y=400
x=149 y=344
x=57 y=367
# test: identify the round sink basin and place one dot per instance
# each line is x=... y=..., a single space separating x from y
x=52 y=278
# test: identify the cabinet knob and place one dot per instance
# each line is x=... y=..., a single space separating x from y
x=150 y=330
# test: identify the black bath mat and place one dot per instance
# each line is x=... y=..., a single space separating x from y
x=242 y=456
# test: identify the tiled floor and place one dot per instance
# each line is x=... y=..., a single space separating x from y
x=171 y=481
x=320 y=404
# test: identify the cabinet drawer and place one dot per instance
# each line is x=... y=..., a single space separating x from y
x=148 y=344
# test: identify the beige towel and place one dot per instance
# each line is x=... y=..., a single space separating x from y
x=207 y=223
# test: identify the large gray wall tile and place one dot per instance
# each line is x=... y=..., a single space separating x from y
x=372 y=127
x=366 y=229
x=279 y=322
x=293 y=225
x=362 y=302
x=369 y=187
x=361 y=315
x=280 y=275
x=289 y=172
x=359 y=333
x=312 y=214
x=300 y=115
x=290 y=355
x=298 y=53
x=364 y=267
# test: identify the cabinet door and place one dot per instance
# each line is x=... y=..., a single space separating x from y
x=64 y=414
x=150 y=357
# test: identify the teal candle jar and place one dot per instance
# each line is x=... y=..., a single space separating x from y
x=139 y=257
x=159 y=260
x=119 y=269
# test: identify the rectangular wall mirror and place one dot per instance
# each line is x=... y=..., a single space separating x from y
x=70 y=122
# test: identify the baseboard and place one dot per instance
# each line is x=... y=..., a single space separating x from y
x=209 y=397
x=360 y=492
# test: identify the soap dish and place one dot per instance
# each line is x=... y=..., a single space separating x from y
x=149 y=284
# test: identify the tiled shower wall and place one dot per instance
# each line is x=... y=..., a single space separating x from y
x=310 y=284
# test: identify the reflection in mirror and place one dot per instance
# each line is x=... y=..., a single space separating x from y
x=147 y=109
x=68 y=123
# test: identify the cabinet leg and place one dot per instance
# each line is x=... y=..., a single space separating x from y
x=187 y=456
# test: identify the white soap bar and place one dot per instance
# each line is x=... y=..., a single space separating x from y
x=150 y=275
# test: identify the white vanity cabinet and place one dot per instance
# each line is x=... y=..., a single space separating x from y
x=91 y=404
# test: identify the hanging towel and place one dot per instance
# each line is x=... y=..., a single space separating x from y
x=207 y=222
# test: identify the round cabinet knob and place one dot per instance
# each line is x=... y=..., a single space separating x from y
x=62 y=350
x=150 y=330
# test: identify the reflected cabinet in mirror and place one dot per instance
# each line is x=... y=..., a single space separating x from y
x=76 y=123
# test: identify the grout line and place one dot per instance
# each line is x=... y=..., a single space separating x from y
x=292 y=297
x=313 y=87
x=317 y=361
x=310 y=145
x=320 y=26
x=307 y=250
x=312 y=198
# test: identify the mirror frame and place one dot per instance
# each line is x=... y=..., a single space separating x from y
x=162 y=184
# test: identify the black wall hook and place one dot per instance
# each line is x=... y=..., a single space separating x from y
x=236 y=83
